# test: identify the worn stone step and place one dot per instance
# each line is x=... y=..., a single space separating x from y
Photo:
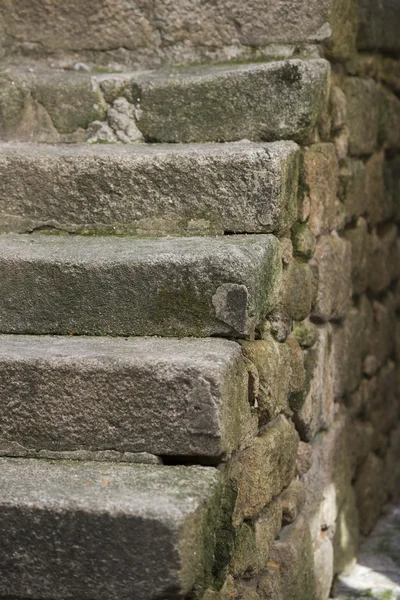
x=276 y=100
x=93 y=285
x=103 y=531
x=264 y=101
x=185 y=397
x=138 y=33
x=149 y=189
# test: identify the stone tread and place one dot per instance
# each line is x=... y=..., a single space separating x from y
x=183 y=397
x=122 y=286
x=105 y=531
x=268 y=101
x=149 y=188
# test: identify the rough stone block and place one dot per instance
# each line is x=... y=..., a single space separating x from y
x=362 y=114
x=330 y=476
x=320 y=178
x=360 y=256
x=297 y=291
x=147 y=35
x=38 y=105
x=265 y=468
x=382 y=338
x=392 y=184
x=78 y=529
x=273 y=371
x=271 y=101
x=346 y=539
x=382 y=257
x=304 y=458
x=164 y=396
x=352 y=188
x=136 y=286
x=371 y=492
x=389 y=134
x=323 y=567
x=253 y=542
x=317 y=410
x=351 y=341
x=381 y=401
x=332 y=262
x=294 y=555
x=292 y=501
x=379 y=25
x=303 y=240
x=379 y=203
x=149 y=189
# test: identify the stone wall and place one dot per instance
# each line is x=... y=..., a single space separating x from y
x=315 y=455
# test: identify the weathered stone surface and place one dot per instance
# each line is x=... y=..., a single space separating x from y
x=149 y=189
x=271 y=101
x=297 y=291
x=379 y=25
x=304 y=458
x=382 y=338
x=332 y=261
x=303 y=240
x=269 y=584
x=272 y=361
x=292 y=501
x=389 y=134
x=294 y=555
x=102 y=520
x=329 y=478
x=362 y=114
x=130 y=286
x=317 y=410
x=392 y=184
x=43 y=106
x=253 y=542
x=360 y=255
x=265 y=468
x=382 y=258
x=164 y=396
x=352 y=188
x=381 y=402
x=323 y=567
x=371 y=492
x=350 y=345
x=320 y=178
x=306 y=333
x=346 y=539
x=379 y=203
x=146 y=35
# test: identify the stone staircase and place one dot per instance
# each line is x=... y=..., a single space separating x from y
x=95 y=423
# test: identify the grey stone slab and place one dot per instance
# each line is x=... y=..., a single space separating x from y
x=125 y=286
x=271 y=101
x=149 y=189
x=147 y=33
x=74 y=529
x=174 y=397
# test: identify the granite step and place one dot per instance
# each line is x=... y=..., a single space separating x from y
x=104 y=531
x=149 y=189
x=124 y=286
x=167 y=397
x=263 y=101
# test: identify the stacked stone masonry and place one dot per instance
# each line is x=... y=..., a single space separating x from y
x=200 y=295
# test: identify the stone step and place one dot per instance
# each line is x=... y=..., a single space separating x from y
x=185 y=397
x=149 y=189
x=104 y=531
x=268 y=101
x=122 y=286
x=138 y=33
